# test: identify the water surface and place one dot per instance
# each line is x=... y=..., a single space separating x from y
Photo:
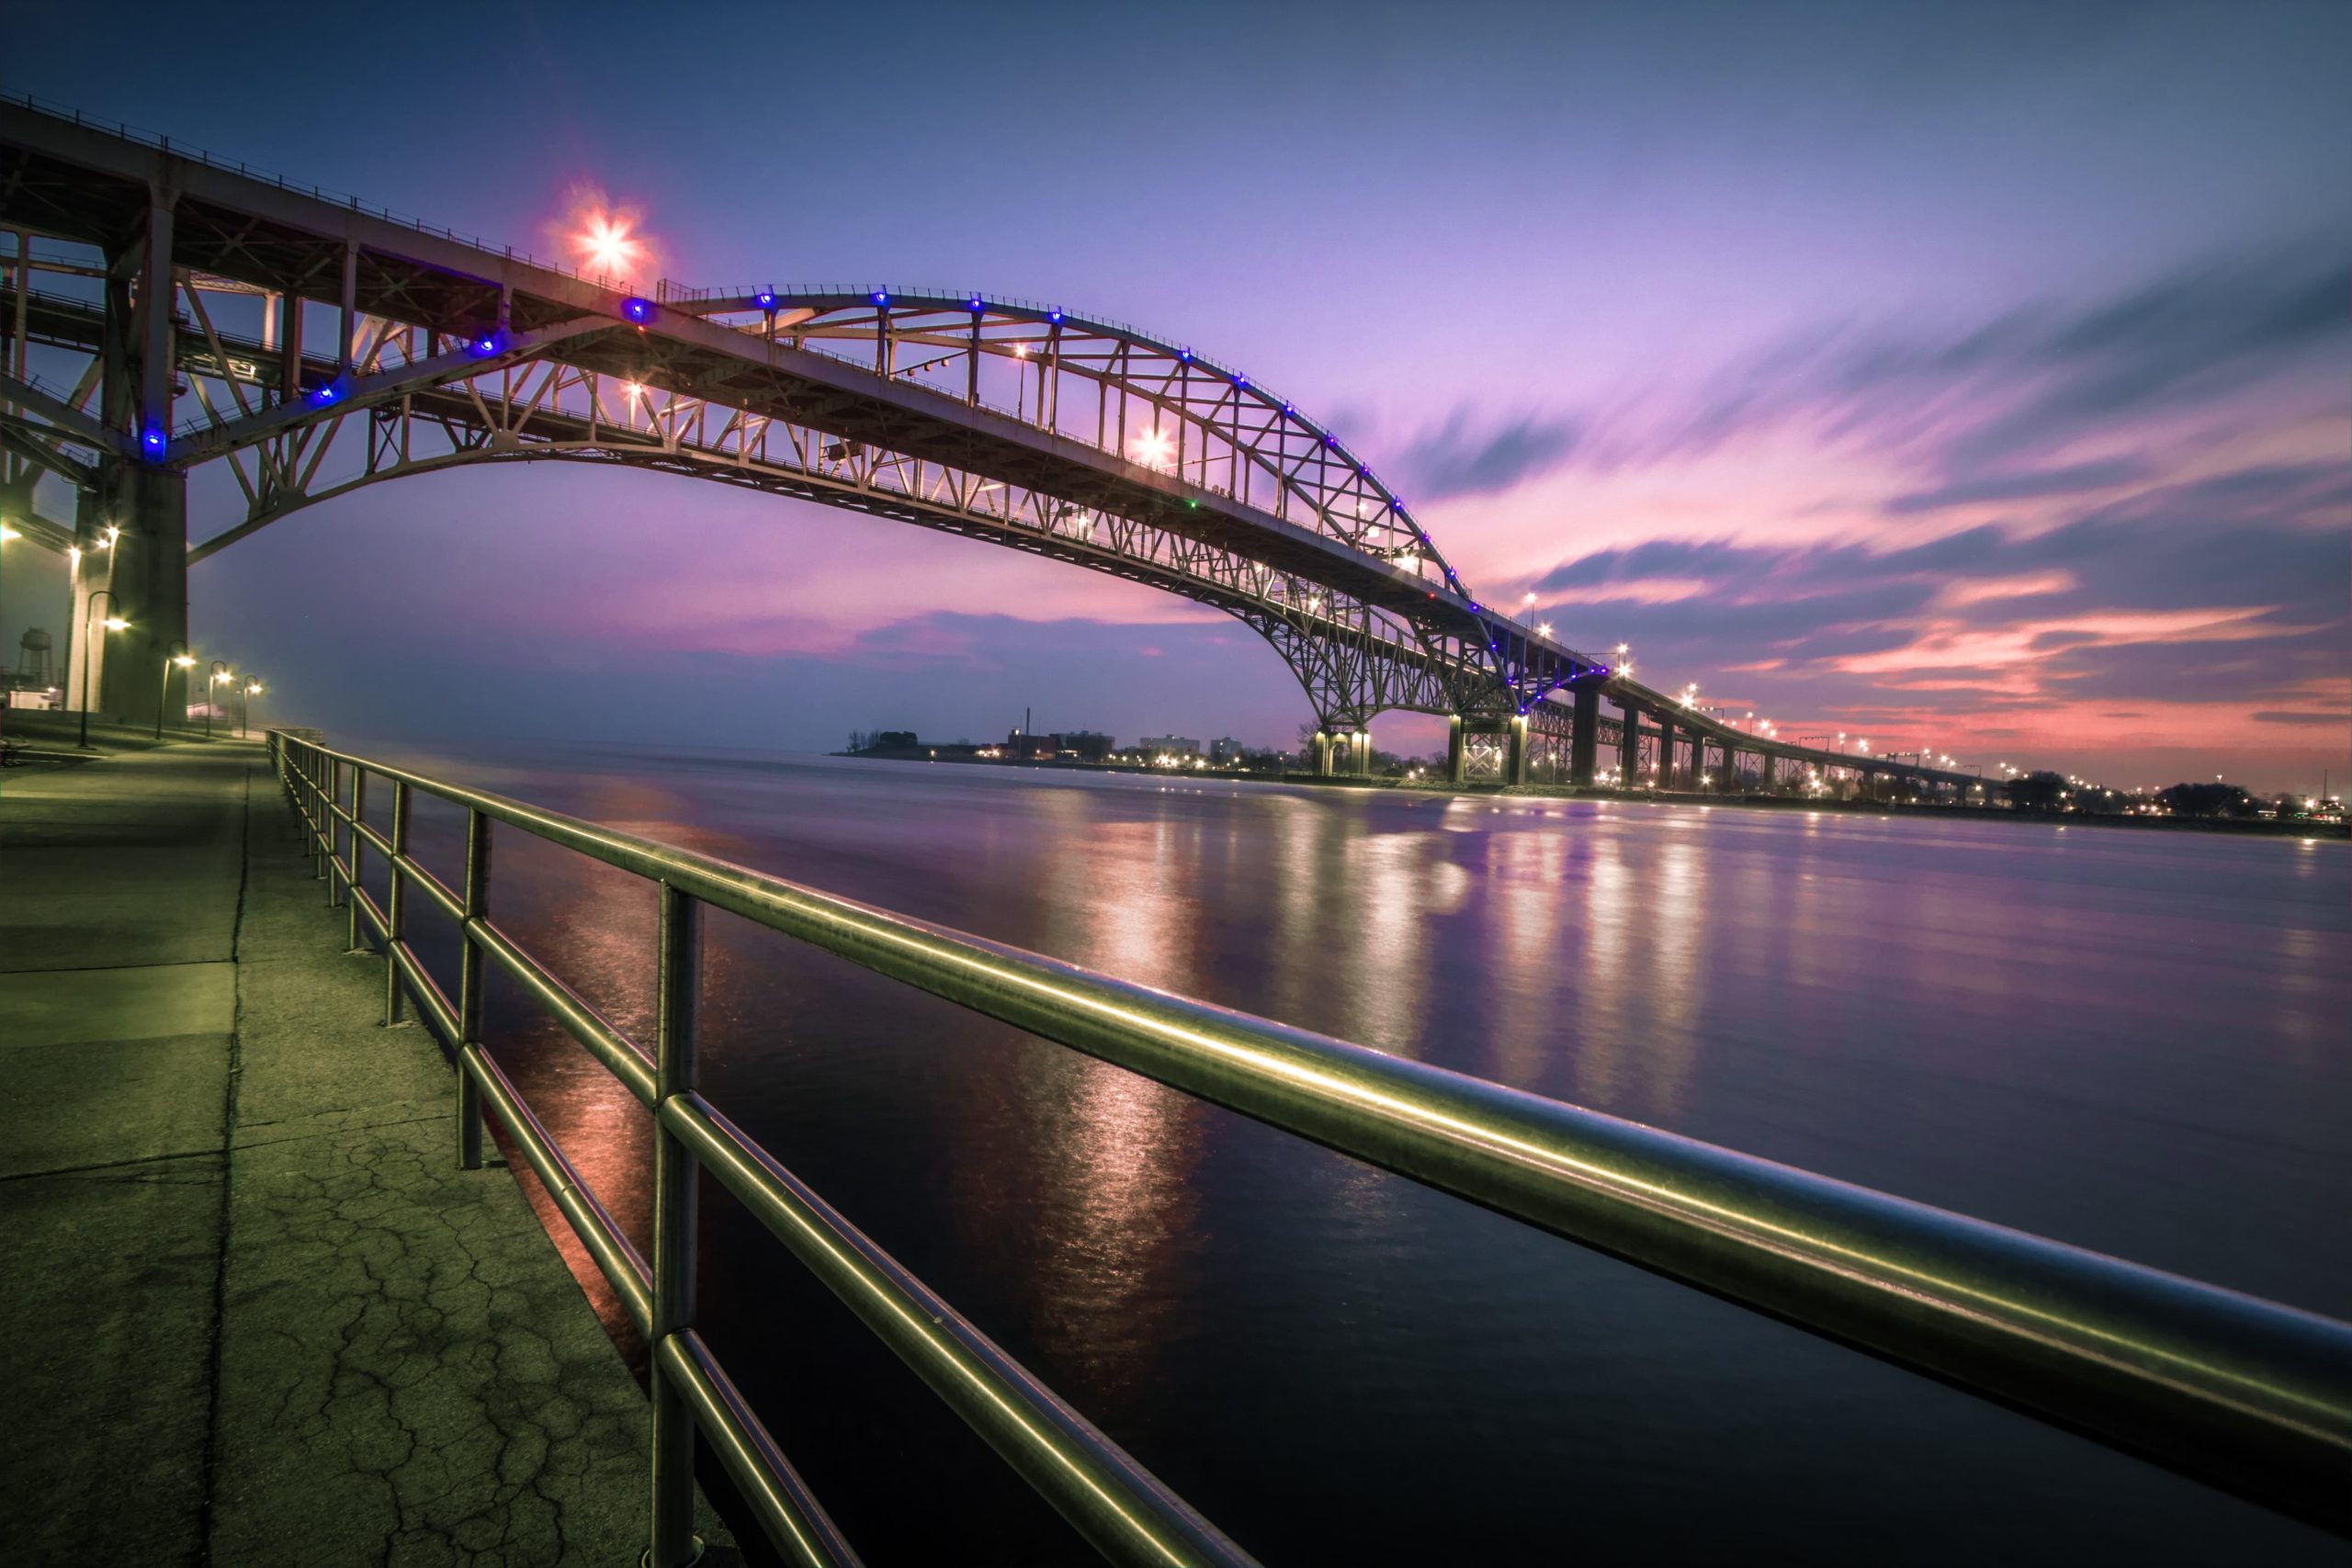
x=2130 y=1041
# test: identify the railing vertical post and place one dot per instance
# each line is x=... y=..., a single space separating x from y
x=674 y=1175
x=477 y=906
x=336 y=837
x=337 y=840
x=396 y=910
x=358 y=815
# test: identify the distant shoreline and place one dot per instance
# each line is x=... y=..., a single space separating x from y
x=2254 y=826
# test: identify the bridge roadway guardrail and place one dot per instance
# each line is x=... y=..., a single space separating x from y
x=2246 y=1394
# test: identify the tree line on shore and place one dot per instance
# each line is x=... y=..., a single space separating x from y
x=2216 y=798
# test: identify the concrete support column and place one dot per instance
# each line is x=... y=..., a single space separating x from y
x=149 y=577
x=1585 y=739
x=146 y=570
x=1360 y=753
x=1457 y=751
x=1515 y=762
x=1629 y=747
x=1666 y=747
x=1322 y=754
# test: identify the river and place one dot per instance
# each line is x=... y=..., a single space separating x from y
x=2131 y=1041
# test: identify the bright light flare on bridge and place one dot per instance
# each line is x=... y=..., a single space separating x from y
x=607 y=240
x=1155 y=448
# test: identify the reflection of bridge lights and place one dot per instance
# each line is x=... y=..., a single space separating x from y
x=1155 y=448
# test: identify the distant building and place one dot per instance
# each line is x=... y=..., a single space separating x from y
x=1023 y=748
x=1226 y=753
x=1083 y=745
x=1168 y=746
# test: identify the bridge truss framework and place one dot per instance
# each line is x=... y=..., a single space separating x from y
x=313 y=346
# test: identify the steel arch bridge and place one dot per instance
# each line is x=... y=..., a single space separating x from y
x=311 y=346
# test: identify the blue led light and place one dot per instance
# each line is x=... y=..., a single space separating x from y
x=1055 y=317
x=1241 y=380
x=1186 y=355
x=484 y=346
x=1331 y=441
x=151 y=439
x=326 y=394
x=637 y=311
x=881 y=297
x=978 y=304
x=765 y=299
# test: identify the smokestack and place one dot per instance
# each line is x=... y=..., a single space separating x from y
x=1025 y=721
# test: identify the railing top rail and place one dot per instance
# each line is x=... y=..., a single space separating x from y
x=2248 y=1395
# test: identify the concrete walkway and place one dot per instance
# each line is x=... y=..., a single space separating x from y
x=254 y=1313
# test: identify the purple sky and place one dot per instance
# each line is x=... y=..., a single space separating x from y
x=1972 y=377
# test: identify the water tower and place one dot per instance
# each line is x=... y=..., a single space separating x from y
x=33 y=670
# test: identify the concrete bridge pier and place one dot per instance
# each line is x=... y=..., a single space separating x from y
x=146 y=568
x=147 y=573
x=1342 y=753
x=1629 y=746
x=1516 y=759
x=1584 y=739
x=1457 y=751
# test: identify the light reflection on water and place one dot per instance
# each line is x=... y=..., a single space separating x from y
x=2115 y=1038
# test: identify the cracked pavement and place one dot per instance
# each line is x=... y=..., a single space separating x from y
x=258 y=1315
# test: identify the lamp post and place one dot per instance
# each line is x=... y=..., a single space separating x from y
x=220 y=672
x=90 y=631
x=186 y=661
x=253 y=689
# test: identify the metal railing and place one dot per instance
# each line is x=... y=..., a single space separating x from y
x=2246 y=1394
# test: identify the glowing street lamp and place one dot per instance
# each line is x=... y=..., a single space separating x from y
x=1542 y=628
x=89 y=633
x=253 y=689
x=220 y=672
x=182 y=660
